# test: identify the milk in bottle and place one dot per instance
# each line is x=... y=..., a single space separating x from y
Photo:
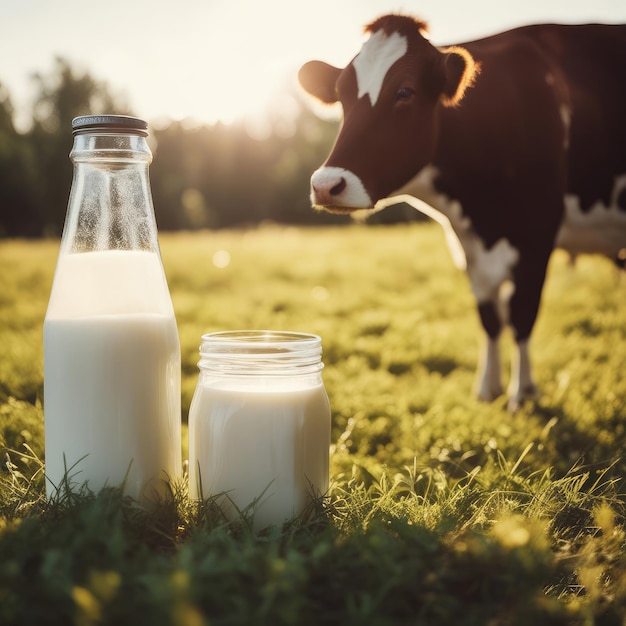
x=111 y=347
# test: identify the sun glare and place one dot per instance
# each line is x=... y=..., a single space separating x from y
x=237 y=90
x=233 y=74
x=198 y=63
x=227 y=91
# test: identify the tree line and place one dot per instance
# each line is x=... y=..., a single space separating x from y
x=211 y=176
x=202 y=177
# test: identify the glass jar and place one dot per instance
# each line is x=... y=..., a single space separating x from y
x=259 y=424
x=111 y=347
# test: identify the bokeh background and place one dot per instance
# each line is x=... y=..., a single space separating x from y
x=234 y=139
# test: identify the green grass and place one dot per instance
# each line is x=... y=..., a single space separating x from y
x=442 y=510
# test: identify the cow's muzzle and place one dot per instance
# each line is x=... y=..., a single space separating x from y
x=338 y=190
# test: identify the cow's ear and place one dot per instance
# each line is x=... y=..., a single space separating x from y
x=460 y=71
x=320 y=80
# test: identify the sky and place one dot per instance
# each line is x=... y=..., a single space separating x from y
x=225 y=60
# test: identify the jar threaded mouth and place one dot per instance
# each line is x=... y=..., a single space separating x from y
x=267 y=352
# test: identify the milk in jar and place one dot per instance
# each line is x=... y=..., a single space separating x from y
x=259 y=425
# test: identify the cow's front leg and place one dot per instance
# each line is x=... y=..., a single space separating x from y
x=524 y=305
x=522 y=386
x=489 y=382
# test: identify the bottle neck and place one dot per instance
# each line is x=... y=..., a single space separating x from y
x=110 y=147
x=110 y=206
x=261 y=354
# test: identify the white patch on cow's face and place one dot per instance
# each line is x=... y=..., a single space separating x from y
x=601 y=230
x=372 y=63
x=326 y=183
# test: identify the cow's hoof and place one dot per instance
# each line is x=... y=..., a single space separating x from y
x=489 y=395
x=526 y=394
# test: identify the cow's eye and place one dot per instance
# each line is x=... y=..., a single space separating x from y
x=405 y=93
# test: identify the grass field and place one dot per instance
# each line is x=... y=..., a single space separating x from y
x=442 y=510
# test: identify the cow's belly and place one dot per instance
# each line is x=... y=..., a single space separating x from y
x=601 y=230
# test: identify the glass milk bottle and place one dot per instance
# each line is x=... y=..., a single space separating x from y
x=111 y=347
x=259 y=424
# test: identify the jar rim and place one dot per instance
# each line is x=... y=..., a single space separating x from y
x=261 y=338
x=272 y=352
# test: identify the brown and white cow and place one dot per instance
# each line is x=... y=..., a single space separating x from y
x=515 y=143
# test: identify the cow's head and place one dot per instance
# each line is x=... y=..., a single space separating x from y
x=390 y=93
